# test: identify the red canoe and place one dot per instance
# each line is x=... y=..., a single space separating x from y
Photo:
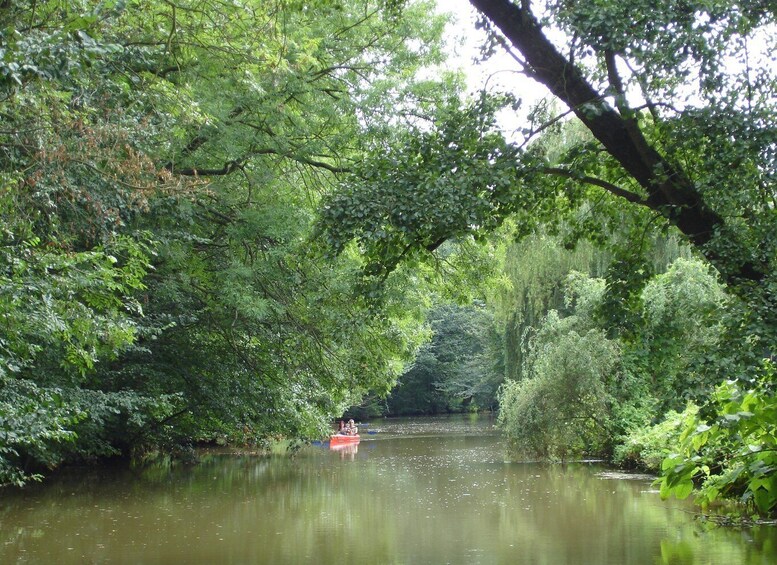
x=338 y=439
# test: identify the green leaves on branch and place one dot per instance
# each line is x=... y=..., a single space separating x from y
x=734 y=453
x=197 y=137
x=457 y=370
x=75 y=307
x=40 y=427
x=672 y=40
x=426 y=186
x=584 y=388
x=29 y=50
x=34 y=421
x=562 y=405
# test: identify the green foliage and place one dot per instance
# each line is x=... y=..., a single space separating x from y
x=676 y=41
x=160 y=167
x=50 y=52
x=729 y=449
x=459 y=369
x=34 y=422
x=68 y=309
x=536 y=269
x=416 y=392
x=472 y=353
x=676 y=356
x=596 y=389
x=678 y=100
x=407 y=198
x=170 y=171
x=63 y=313
x=647 y=447
x=562 y=405
x=680 y=339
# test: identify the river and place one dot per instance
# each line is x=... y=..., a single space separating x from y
x=431 y=490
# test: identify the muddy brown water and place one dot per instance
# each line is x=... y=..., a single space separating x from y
x=420 y=491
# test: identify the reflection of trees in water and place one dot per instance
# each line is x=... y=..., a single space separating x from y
x=408 y=499
x=576 y=509
x=442 y=426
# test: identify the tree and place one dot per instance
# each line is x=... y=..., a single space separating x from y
x=699 y=155
x=695 y=150
x=459 y=369
x=683 y=312
x=160 y=166
x=471 y=349
x=582 y=391
x=563 y=404
x=662 y=38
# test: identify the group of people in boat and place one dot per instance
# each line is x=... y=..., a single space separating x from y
x=348 y=429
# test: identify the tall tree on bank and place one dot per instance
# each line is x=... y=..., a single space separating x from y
x=459 y=370
x=679 y=97
x=676 y=95
x=160 y=163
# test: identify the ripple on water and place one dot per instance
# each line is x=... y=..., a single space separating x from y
x=624 y=476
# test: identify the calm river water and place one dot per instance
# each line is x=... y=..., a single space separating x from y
x=416 y=491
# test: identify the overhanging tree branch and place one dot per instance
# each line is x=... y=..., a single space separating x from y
x=228 y=168
x=608 y=186
x=236 y=164
x=670 y=191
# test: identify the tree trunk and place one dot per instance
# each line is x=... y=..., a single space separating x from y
x=669 y=190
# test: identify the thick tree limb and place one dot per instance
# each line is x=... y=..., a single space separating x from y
x=608 y=186
x=228 y=168
x=670 y=191
x=628 y=115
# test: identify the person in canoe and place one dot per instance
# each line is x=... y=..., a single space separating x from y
x=345 y=429
x=348 y=429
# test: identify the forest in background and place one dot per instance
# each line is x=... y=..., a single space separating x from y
x=234 y=221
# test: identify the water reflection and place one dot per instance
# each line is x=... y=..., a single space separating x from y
x=417 y=491
x=346 y=451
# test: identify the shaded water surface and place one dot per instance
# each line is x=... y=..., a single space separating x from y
x=415 y=491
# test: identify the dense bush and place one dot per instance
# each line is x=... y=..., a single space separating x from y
x=729 y=449
x=582 y=392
